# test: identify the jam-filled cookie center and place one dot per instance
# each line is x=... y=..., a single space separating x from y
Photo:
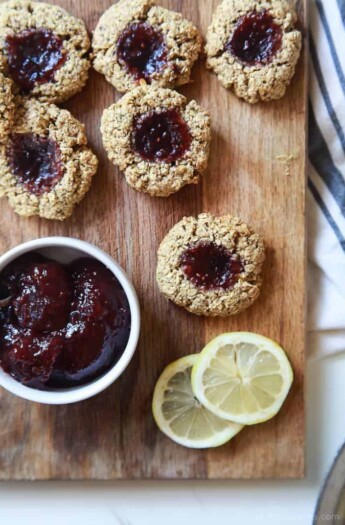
x=162 y=136
x=209 y=266
x=35 y=161
x=256 y=38
x=34 y=56
x=141 y=49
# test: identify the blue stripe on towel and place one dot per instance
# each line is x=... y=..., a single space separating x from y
x=324 y=91
x=331 y=44
x=341 y=6
x=327 y=214
x=322 y=161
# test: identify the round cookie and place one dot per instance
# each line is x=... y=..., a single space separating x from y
x=43 y=49
x=135 y=39
x=7 y=106
x=211 y=265
x=253 y=47
x=157 y=139
x=45 y=165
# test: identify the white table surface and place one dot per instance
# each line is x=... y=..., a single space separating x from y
x=199 y=503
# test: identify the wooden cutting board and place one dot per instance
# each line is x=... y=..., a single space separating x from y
x=256 y=171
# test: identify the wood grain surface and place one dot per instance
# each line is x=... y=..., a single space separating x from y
x=256 y=171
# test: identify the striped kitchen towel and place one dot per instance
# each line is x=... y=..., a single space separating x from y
x=326 y=182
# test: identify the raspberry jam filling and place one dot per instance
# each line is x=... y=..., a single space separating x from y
x=43 y=297
x=161 y=136
x=34 y=56
x=62 y=326
x=256 y=38
x=141 y=49
x=35 y=161
x=210 y=266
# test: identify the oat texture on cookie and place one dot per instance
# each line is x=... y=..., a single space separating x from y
x=45 y=165
x=7 y=106
x=253 y=46
x=43 y=49
x=211 y=265
x=157 y=138
x=136 y=39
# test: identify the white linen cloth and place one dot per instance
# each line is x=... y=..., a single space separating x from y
x=326 y=199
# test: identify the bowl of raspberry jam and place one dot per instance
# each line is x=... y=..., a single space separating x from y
x=69 y=320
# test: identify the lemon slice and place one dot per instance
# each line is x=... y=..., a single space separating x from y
x=242 y=377
x=180 y=415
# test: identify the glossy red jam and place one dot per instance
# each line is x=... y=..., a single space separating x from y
x=209 y=266
x=43 y=298
x=256 y=38
x=141 y=49
x=35 y=161
x=161 y=136
x=98 y=328
x=34 y=56
x=28 y=356
x=62 y=326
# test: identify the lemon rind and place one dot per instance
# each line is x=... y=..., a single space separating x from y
x=219 y=439
x=232 y=338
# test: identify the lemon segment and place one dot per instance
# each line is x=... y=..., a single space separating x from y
x=180 y=415
x=242 y=377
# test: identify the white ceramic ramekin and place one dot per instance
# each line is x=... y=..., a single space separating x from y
x=65 y=250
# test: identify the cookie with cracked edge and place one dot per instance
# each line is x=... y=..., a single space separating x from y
x=43 y=49
x=253 y=47
x=45 y=165
x=7 y=106
x=158 y=139
x=136 y=39
x=211 y=265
